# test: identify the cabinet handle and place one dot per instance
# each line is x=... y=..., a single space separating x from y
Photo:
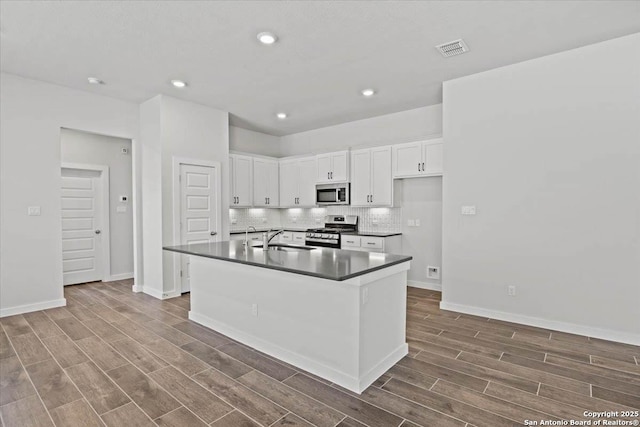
x=328 y=175
x=371 y=199
x=422 y=166
x=331 y=175
x=370 y=243
x=418 y=166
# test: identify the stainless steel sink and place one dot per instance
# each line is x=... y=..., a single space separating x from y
x=286 y=248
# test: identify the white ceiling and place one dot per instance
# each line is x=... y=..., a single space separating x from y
x=328 y=50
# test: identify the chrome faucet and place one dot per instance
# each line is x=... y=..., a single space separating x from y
x=266 y=238
x=246 y=234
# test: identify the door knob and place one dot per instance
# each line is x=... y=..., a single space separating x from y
x=213 y=233
x=98 y=231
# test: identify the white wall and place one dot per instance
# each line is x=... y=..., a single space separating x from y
x=174 y=128
x=31 y=115
x=405 y=126
x=549 y=152
x=91 y=148
x=249 y=141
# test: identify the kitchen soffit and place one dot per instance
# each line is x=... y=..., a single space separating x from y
x=326 y=51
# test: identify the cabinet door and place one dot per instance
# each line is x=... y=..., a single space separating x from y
x=306 y=182
x=407 y=160
x=323 y=168
x=299 y=238
x=360 y=177
x=273 y=186
x=289 y=183
x=232 y=182
x=433 y=151
x=381 y=180
x=242 y=173
x=340 y=166
x=260 y=182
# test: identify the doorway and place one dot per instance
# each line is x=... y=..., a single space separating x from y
x=85 y=225
x=199 y=210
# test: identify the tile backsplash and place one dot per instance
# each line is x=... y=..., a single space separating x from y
x=369 y=219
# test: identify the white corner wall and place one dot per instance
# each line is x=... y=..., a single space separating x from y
x=248 y=141
x=171 y=128
x=31 y=116
x=548 y=151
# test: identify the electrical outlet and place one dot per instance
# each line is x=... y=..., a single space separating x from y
x=411 y=223
x=511 y=291
x=468 y=210
x=417 y=223
x=33 y=211
x=433 y=272
x=254 y=310
x=234 y=220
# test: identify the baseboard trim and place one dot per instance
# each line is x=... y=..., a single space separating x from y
x=159 y=294
x=115 y=277
x=28 y=308
x=424 y=285
x=382 y=367
x=137 y=288
x=572 y=328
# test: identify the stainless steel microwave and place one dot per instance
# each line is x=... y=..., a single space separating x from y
x=332 y=194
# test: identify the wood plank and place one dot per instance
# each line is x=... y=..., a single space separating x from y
x=496 y=345
x=58 y=313
x=412 y=376
x=176 y=356
x=350 y=422
x=257 y=361
x=101 y=393
x=240 y=397
x=167 y=332
x=142 y=358
x=434 y=348
x=311 y=410
x=15 y=325
x=605 y=362
x=207 y=336
x=596 y=370
x=100 y=353
x=132 y=314
x=497 y=406
x=42 y=325
x=437 y=371
x=181 y=417
x=76 y=413
x=52 y=384
x=26 y=412
x=616 y=396
x=29 y=348
x=14 y=382
x=127 y=415
x=345 y=403
x=481 y=372
x=456 y=345
x=64 y=350
x=531 y=374
x=235 y=419
x=107 y=313
x=73 y=328
x=580 y=400
x=198 y=400
x=145 y=392
x=446 y=405
x=537 y=346
x=135 y=331
x=291 y=420
x=104 y=330
x=217 y=359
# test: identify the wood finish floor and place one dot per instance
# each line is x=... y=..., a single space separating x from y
x=116 y=358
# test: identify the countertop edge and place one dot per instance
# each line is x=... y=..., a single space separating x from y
x=290 y=270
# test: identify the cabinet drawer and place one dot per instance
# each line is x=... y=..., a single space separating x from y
x=350 y=241
x=372 y=242
x=299 y=238
x=287 y=236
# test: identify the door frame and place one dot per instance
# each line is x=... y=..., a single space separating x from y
x=176 y=202
x=104 y=212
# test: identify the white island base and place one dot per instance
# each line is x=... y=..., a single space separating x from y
x=348 y=332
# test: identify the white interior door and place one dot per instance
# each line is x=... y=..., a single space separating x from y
x=81 y=226
x=198 y=210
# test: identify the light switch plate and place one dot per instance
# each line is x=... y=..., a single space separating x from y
x=234 y=220
x=468 y=210
x=411 y=223
x=33 y=211
x=417 y=223
x=121 y=209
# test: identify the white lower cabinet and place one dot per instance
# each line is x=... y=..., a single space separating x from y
x=253 y=237
x=391 y=244
x=294 y=237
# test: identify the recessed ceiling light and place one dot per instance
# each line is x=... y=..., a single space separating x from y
x=178 y=83
x=95 y=81
x=267 y=38
x=281 y=116
x=368 y=92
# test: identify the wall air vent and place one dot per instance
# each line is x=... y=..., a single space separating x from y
x=456 y=47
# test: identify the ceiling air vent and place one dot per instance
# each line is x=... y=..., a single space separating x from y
x=456 y=47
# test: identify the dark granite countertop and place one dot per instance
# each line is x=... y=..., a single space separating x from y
x=374 y=233
x=262 y=230
x=325 y=263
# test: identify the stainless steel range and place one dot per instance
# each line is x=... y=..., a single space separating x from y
x=329 y=236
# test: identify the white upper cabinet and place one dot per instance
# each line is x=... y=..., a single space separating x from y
x=265 y=182
x=332 y=167
x=298 y=182
x=241 y=169
x=414 y=159
x=371 y=181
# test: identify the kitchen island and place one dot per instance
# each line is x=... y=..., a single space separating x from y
x=338 y=314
